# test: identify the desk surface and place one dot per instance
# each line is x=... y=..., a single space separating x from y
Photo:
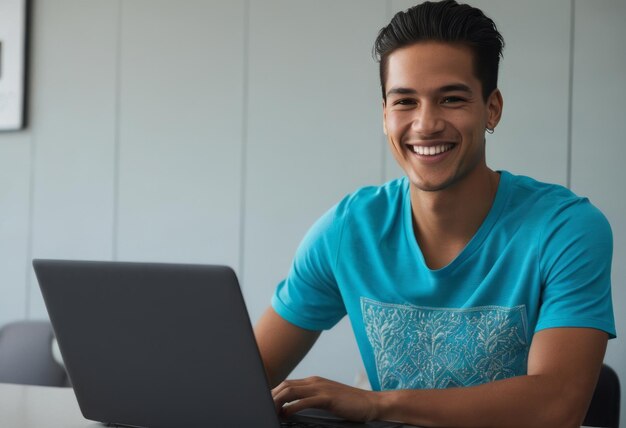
x=41 y=407
x=24 y=406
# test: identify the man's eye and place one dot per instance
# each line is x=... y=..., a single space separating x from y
x=405 y=102
x=450 y=100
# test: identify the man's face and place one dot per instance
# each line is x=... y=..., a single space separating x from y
x=435 y=116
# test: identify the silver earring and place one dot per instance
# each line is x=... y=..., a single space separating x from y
x=490 y=130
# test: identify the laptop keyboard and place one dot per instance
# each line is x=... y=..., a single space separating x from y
x=307 y=422
x=300 y=424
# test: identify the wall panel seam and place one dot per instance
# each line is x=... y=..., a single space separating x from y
x=384 y=150
x=568 y=177
x=116 y=138
x=244 y=138
x=28 y=275
x=385 y=153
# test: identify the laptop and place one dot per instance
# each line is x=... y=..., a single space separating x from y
x=162 y=345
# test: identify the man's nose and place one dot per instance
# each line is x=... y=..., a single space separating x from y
x=427 y=120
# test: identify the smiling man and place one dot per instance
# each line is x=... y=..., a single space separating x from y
x=477 y=297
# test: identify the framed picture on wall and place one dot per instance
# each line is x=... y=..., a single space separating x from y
x=12 y=63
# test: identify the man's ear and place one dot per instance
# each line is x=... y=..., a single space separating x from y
x=384 y=119
x=494 y=108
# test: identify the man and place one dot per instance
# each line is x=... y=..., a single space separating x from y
x=478 y=298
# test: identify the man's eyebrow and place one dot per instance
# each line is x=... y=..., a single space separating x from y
x=454 y=87
x=401 y=91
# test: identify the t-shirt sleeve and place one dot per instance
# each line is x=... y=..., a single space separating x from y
x=309 y=296
x=575 y=262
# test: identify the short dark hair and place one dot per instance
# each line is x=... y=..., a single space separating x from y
x=444 y=21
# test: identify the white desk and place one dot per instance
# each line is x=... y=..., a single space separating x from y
x=41 y=407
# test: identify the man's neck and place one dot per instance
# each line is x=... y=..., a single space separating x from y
x=445 y=221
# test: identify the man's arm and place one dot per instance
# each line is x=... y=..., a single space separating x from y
x=563 y=368
x=282 y=345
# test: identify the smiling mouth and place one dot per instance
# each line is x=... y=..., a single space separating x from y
x=431 y=150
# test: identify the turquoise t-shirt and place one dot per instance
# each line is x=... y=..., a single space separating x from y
x=541 y=259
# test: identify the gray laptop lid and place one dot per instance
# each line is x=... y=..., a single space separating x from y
x=158 y=345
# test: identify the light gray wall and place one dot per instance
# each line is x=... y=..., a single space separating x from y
x=217 y=132
x=598 y=153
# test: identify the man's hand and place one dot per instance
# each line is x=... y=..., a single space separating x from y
x=344 y=401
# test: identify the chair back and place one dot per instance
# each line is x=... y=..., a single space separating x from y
x=605 y=404
x=26 y=355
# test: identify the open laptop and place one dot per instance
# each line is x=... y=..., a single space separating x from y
x=161 y=345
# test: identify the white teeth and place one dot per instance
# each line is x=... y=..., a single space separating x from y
x=432 y=150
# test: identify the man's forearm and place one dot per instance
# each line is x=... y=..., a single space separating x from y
x=524 y=401
x=282 y=345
